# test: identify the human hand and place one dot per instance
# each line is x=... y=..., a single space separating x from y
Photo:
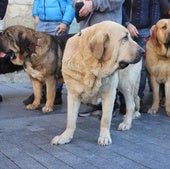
x=61 y=28
x=36 y=19
x=87 y=8
x=133 y=30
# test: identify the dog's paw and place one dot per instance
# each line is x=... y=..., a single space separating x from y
x=47 y=109
x=124 y=126
x=61 y=139
x=31 y=107
x=104 y=141
x=136 y=115
x=152 y=110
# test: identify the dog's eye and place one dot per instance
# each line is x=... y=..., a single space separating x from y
x=125 y=38
x=164 y=27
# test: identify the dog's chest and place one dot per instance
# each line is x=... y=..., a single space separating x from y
x=34 y=73
x=93 y=95
x=161 y=71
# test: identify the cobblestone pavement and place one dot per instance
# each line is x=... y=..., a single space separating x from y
x=25 y=137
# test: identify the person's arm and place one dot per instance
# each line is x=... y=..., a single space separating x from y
x=34 y=11
x=165 y=8
x=125 y=19
x=106 y=5
x=69 y=13
x=67 y=18
x=125 y=22
x=97 y=5
x=3 y=7
x=34 y=8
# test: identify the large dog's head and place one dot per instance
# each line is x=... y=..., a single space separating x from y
x=15 y=41
x=160 y=37
x=103 y=48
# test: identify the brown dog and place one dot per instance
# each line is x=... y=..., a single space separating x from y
x=41 y=56
x=158 y=62
x=89 y=66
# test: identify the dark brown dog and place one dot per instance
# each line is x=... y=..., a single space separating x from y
x=41 y=56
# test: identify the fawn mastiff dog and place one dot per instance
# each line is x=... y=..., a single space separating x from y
x=41 y=56
x=158 y=63
x=89 y=67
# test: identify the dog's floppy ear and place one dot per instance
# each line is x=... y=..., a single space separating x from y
x=154 y=38
x=97 y=44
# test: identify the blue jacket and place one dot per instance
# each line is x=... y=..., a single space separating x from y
x=143 y=14
x=54 y=10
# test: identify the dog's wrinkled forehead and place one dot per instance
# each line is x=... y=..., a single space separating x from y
x=163 y=24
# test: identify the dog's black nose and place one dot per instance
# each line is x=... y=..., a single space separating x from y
x=167 y=44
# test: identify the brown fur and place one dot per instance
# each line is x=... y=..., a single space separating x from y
x=158 y=62
x=41 y=55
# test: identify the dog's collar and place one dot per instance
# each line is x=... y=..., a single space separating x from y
x=33 y=45
x=146 y=39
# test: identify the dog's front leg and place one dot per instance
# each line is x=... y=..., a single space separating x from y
x=130 y=109
x=50 y=94
x=73 y=103
x=155 y=88
x=167 y=97
x=37 y=94
x=108 y=98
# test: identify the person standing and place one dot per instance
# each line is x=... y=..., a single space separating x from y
x=90 y=12
x=165 y=8
x=138 y=18
x=95 y=11
x=53 y=17
x=3 y=7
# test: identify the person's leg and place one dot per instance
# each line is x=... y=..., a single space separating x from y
x=58 y=97
x=142 y=80
x=122 y=108
x=142 y=43
x=0 y=98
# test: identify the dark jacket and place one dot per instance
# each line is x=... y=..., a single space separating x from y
x=143 y=14
x=3 y=6
x=165 y=7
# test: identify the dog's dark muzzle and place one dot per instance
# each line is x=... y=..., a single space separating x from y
x=124 y=64
x=167 y=44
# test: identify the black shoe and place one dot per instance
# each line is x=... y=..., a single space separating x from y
x=0 y=98
x=29 y=100
x=122 y=109
x=143 y=108
x=116 y=106
x=96 y=111
x=58 y=98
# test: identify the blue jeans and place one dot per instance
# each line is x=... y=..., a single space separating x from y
x=50 y=28
x=143 y=33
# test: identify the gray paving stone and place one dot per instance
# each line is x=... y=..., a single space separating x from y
x=25 y=138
